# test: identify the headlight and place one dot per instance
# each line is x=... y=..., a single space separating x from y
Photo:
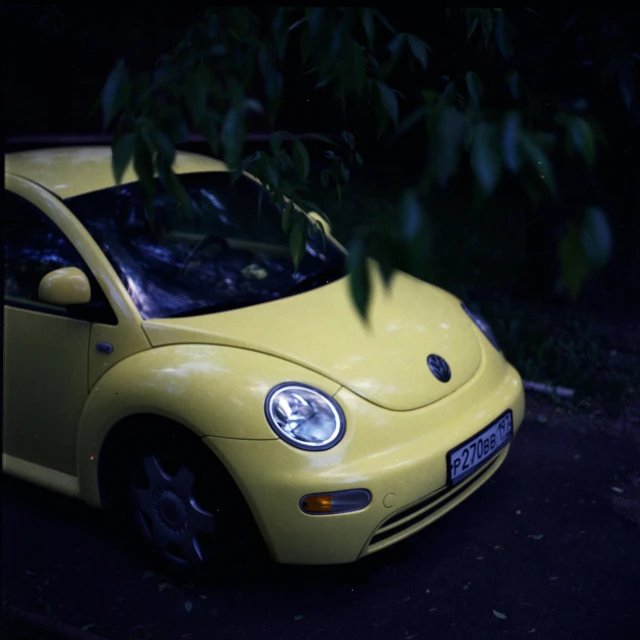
x=304 y=417
x=483 y=325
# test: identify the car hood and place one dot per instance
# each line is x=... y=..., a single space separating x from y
x=382 y=360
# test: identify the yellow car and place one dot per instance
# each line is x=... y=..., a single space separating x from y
x=188 y=377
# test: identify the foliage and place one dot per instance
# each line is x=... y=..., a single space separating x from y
x=481 y=134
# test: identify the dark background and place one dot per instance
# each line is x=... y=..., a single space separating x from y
x=545 y=542
x=58 y=56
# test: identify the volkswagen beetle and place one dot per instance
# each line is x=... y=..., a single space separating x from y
x=185 y=375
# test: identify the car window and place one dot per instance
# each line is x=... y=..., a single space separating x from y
x=33 y=247
x=230 y=252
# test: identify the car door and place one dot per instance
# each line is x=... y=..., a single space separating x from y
x=46 y=347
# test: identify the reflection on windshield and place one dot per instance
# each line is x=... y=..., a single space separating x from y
x=224 y=256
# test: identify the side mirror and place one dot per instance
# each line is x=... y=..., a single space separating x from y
x=316 y=217
x=66 y=286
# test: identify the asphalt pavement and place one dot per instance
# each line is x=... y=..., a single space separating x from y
x=538 y=552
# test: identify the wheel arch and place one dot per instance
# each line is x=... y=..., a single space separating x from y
x=139 y=431
x=137 y=426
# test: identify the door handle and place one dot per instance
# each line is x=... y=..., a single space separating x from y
x=104 y=347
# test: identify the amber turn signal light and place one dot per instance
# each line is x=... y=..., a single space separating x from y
x=317 y=504
x=335 y=502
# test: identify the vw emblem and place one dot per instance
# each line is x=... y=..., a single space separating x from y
x=439 y=367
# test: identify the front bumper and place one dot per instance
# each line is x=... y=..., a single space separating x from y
x=399 y=457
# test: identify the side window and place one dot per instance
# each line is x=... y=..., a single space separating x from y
x=35 y=246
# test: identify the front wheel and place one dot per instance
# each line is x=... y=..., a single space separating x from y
x=184 y=507
x=173 y=508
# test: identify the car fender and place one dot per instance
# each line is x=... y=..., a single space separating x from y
x=211 y=390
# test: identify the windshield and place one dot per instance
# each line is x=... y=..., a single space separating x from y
x=225 y=256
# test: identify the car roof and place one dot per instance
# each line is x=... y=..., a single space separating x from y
x=72 y=171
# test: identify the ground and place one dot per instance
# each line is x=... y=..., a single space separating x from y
x=548 y=548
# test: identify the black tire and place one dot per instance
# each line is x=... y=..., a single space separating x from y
x=185 y=512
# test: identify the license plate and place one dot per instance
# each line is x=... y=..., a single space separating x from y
x=472 y=454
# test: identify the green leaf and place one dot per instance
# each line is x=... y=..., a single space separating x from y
x=344 y=171
x=596 y=236
x=287 y=218
x=298 y=240
x=368 y=26
x=358 y=158
x=247 y=164
x=301 y=160
x=419 y=50
x=446 y=98
x=284 y=162
x=389 y=101
x=511 y=142
x=196 y=95
x=474 y=87
x=163 y=145
x=415 y=117
x=485 y=158
x=273 y=82
x=411 y=216
x=275 y=141
x=325 y=177
x=122 y=155
x=317 y=227
x=349 y=139
x=143 y=166
x=395 y=45
x=539 y=160
x=499 y=615
x=209 y=129
x=298 y=23
x=382 y=19
x=385 y=259
x=267 y=172
x=574 y=263
x=512 y=78
x=175 y=188
x=359 y=282
x=582 y=138
x=472 y=18
x=504 y=36
x=487 y=26
x=315 y=19
x=115 y=92
x=174 y=123
x=232 y=136
x=280 y=31
x=253 y=105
